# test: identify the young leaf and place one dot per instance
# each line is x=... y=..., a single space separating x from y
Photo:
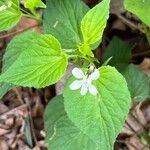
x=94 y=22
x=40 y=63
x=86 y=50
x=139 y=8
x=120 y=53
x=9 y=14
x=33 y=4
x=61 y=133
x=101 y=117
x=137 y=82
x=62 y=19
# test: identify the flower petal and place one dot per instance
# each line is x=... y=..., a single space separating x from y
x=93 y=90
x=84 y=88
x=76 y=84
x=78 y=73
x=95 y=75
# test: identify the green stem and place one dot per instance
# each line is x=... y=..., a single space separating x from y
x=78 y=56
x=27 y=14
x=147 y=33
x=69 y=50
x=33 y=16
x=72 y=56
x=87 y=59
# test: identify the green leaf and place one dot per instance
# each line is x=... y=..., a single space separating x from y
x=140 y=8
x=138 y=82
x=14 y=49
x=120 y=53
x=9 y=14
x=101 y=117
x=61 y=133
x=94 y=22
x=11 y=54
x=86 y=50
x=33 y=4
x=4 y=88
x=40 y=63
x=62 y=19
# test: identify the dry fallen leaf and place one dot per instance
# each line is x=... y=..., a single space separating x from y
x=3 y=145
x=145 y=66
x=3 y=131
x=3 y=108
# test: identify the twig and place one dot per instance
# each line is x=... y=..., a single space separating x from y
x=13 y=110
x=132 y=129
x=146 y=146
x=120 y=141
x=126 y=142
x=18 y=31
x=18 y=95
x=138 y=121
x=42 y=144
x=129 y=23
x=141 y=54
x=131 y=144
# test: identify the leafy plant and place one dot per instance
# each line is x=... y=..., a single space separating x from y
x=138 y=82
x=96 y=100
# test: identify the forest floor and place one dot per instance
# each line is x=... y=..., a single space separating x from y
x=21 y=109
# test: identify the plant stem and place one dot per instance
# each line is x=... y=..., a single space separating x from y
x=72 y=56
x=26 y=13
x=33 y=16
x=18 y=31
x=129 y=23
x=68 y=51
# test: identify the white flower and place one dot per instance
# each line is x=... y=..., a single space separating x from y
x=5 y=6
x=84 y=81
